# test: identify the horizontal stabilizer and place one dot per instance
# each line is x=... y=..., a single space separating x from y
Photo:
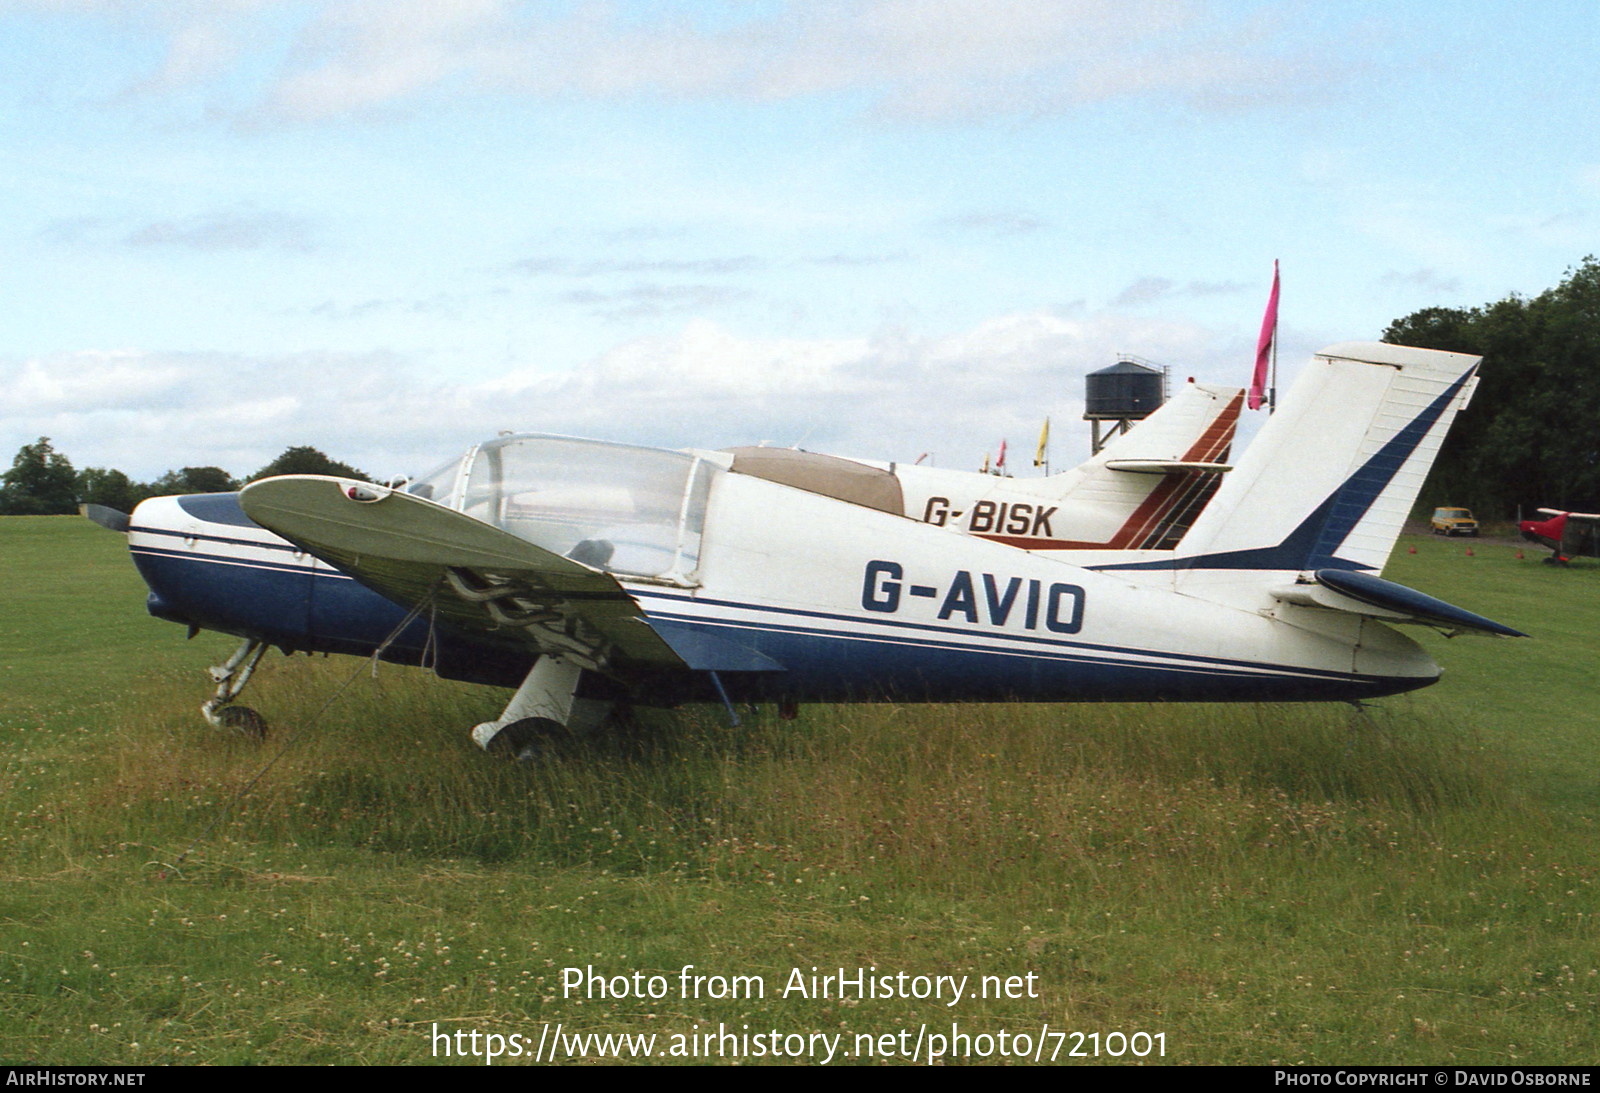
x=1358 y=593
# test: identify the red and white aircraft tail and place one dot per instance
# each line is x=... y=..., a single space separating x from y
x=1142 y=491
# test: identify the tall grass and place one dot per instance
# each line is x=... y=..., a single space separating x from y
x=1160 y=867
x=915 y=796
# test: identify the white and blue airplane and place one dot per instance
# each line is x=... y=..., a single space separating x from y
x=587 y=574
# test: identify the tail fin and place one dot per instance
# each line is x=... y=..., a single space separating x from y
x=1141 y=492
x=1196 y=425
x=1153 y=481
x=1330 y=479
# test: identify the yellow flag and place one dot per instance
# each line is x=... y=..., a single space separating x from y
x=1044 y=442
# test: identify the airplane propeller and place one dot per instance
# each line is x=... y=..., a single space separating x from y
x=113 y=519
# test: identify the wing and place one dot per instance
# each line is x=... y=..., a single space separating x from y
x=1581 y=517
x=471 y=574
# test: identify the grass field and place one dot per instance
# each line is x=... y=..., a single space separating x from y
x=1254 y=884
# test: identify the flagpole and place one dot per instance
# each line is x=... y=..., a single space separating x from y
x=1272 y=391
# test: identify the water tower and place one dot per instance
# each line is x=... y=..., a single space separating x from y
x=1115 y=397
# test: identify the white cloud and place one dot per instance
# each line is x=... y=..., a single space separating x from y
x=997 y=224
x=890 y=396
x=116 y=380
x=240 y=228
x=912 y=59
x=1423 y=280
x=550 y=265
x=207 y=38
x=235 y=229
x=646 y=301
x=1148 y=290
x=358 y=55
x=1571 y=230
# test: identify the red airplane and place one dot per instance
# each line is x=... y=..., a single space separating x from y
x=1568 y=535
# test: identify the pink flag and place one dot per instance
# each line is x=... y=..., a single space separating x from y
x=1269 y=331
x=999 y=464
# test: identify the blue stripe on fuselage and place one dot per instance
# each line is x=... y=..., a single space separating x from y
x=839 y=666
x=833 y=662
x=1045 y=644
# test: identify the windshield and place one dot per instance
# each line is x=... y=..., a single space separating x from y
x=623 y=509
x=437 y=483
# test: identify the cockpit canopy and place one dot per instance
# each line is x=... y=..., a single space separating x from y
x=633 y=511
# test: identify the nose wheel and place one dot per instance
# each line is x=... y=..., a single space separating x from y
x=230 y=678
x=239 y=720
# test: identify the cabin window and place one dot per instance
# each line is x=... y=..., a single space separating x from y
x=631 y=511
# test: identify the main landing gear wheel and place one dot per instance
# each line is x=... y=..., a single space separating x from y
x=545 y=713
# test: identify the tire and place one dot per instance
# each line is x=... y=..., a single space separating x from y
x=241 y=721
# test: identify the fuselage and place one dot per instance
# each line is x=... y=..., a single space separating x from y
x=853 y=604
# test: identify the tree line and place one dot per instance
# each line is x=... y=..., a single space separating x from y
x=42 y=481
x=1531 y=436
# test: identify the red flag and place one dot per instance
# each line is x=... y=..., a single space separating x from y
x=1000 y=463
x=1269 y=331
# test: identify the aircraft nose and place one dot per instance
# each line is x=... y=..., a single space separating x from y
x=158 y=514
x=157 y=539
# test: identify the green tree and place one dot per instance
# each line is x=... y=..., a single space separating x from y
x=1530 y=436
x=304 y=459
x=111 y=488
x=41 y=482
x=193 y=480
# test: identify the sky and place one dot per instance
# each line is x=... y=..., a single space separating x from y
x=878 y=228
